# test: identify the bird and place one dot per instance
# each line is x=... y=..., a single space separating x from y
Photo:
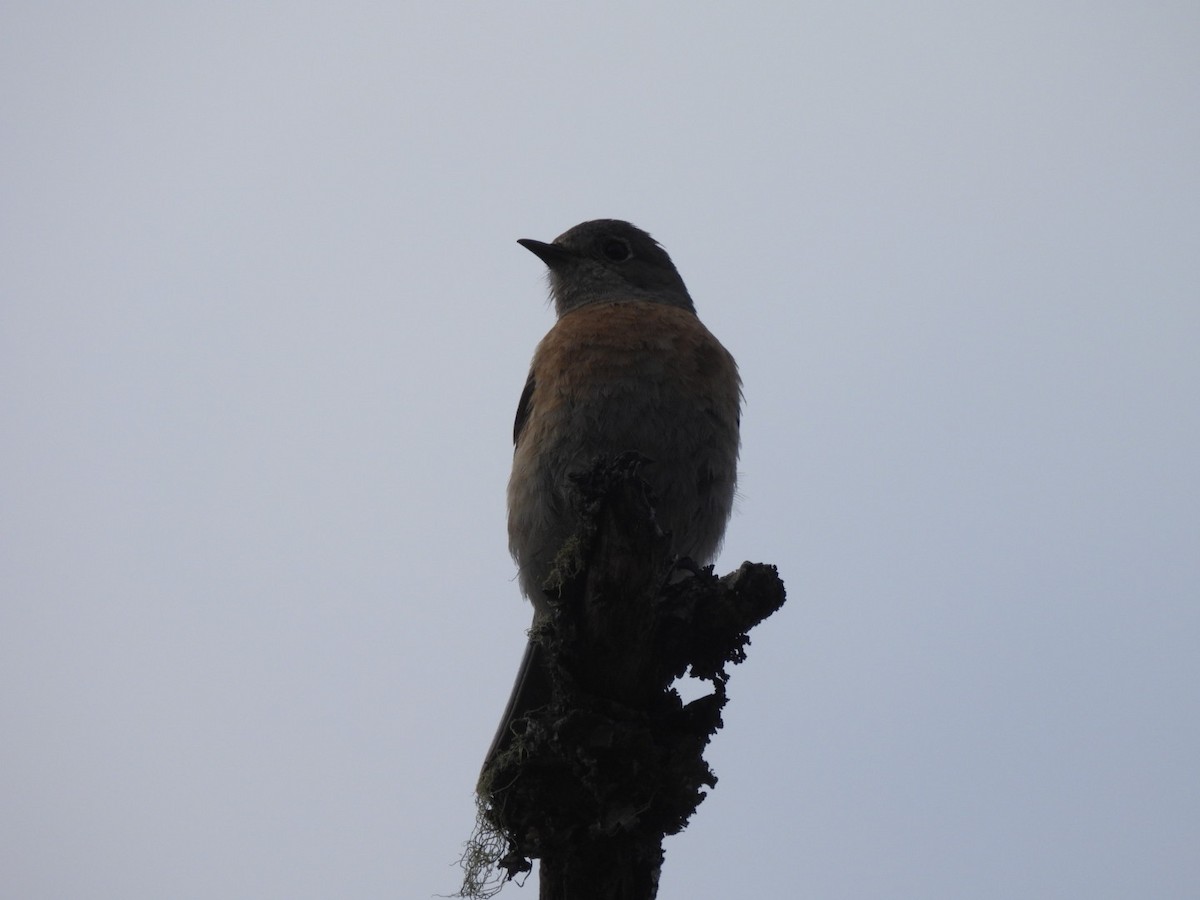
x=627 y=367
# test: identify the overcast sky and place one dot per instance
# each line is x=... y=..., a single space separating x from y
x=264 y=325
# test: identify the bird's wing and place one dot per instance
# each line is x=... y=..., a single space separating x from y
x=523 y=407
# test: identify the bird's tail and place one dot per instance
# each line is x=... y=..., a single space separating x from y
x=530 y=691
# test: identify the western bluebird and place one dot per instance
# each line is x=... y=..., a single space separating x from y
x=628 y=366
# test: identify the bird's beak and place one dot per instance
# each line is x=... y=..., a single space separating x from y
x=552 y=255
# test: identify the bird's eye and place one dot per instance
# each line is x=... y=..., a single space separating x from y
x=617 y=249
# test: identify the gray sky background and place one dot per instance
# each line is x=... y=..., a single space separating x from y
x=264 y=326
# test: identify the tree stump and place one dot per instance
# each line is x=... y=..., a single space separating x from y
x=596 y=779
